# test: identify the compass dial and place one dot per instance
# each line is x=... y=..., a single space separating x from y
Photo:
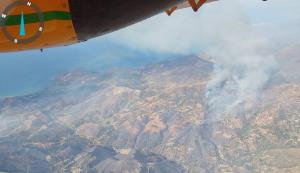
x=22 y=22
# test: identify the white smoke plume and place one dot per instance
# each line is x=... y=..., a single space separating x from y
x=244 y=63
x=240 y=74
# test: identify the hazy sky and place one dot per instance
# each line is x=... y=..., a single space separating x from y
x=155 y=39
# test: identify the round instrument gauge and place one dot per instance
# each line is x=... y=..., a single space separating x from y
x=16 y=18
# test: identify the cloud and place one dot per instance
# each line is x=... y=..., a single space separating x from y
x=188 y=32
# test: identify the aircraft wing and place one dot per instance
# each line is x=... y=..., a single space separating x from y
x=39 y=24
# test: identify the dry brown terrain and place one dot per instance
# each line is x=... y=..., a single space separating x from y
x=149 y=120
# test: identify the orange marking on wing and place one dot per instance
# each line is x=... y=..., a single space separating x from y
x=170 y=11
x=196 y=5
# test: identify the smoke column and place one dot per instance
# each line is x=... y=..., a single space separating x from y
x=244 y=64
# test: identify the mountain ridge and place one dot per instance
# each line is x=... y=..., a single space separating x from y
x=150 y=119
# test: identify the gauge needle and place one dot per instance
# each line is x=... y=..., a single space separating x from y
x=22 y=26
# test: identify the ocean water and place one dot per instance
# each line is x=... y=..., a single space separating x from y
x=27 y=72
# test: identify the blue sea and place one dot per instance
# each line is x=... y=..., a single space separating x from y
x=27 y=72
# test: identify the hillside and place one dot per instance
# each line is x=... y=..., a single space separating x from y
x=151 y=119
